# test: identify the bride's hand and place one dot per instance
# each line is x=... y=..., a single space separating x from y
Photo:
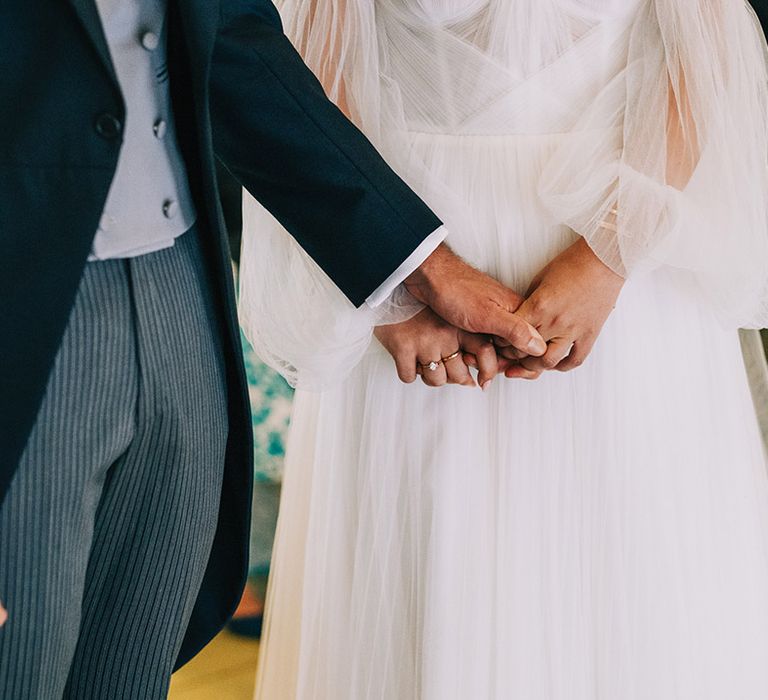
x=427 y=338
x=3 y=615
x=568 y=303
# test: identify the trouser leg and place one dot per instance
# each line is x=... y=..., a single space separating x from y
x=158 y=514
x=86 y=422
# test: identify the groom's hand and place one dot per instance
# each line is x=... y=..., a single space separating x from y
x=473 y=301
x=3 y=615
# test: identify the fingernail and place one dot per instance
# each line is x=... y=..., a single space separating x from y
x=487 y=384
x=537 y=347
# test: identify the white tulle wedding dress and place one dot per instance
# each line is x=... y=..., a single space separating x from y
x=597 y=535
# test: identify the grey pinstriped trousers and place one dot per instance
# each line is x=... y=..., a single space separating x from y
x=108 y=524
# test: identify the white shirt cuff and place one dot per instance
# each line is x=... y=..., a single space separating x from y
x=412 y=263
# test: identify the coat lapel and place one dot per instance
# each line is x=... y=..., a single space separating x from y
x=89 y=18
x=199 y=20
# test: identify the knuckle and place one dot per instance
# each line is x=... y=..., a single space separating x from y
x=486 y=352
x=559 y=320
x=402 y=350
x=571 y=363
x=539 y=304
x=467 y=342
x=549 y=361
x=444 y=336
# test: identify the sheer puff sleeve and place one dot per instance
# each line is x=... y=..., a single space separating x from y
x=297 y=319
x=668 y=165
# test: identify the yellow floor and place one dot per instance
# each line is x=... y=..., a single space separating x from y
x=224 y=670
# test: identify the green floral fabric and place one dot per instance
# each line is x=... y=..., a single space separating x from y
x=271 y=407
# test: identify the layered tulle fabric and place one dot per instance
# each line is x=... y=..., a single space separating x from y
x=677 y=174
x=297 y=320
x=662 y=112
x=599 y=534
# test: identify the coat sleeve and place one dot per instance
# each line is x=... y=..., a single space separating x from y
x=303 y=160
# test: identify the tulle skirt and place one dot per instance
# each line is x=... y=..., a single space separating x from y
x=596 y=535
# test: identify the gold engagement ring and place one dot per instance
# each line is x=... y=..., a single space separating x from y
x=431 y=366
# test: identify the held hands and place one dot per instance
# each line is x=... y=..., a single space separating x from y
x=429 y=346
x=472 y=301
x=475 y=321
x=569 y=301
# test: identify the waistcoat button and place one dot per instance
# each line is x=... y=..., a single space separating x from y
x=150 y=41
x=170 y=207
x=160 y=127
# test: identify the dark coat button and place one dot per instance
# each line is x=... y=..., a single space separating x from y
x=108 y=126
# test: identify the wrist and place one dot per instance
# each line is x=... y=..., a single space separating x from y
x=597 y=263
x=425 y=281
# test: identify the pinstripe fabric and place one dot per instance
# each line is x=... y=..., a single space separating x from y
x=108 y=524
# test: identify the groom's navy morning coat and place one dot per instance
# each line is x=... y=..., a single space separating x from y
x=240 y=91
